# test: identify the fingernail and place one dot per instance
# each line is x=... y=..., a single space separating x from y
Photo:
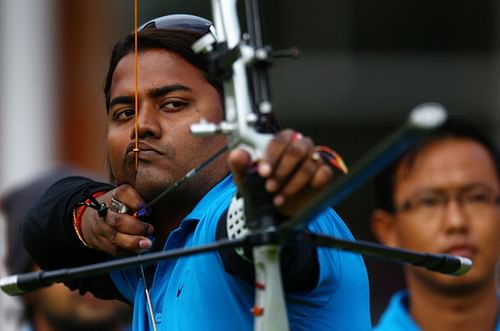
x=297 y=136
x=145 y=244
x=271 y=185
x=279 y=200
x=264 y=169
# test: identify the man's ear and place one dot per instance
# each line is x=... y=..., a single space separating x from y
x=383 y=227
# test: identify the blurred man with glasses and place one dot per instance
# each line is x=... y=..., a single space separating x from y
x=443 y=196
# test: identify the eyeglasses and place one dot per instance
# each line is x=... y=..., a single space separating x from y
x=475 y=201
x=180 y=22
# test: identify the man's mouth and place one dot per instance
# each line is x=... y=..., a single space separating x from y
x=462 y=250
x=142 y=147
x=144 y=152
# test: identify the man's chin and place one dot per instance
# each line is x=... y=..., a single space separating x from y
x=451 y=285
x=148 y=189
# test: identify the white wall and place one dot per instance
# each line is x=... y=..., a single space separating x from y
x=27 y=90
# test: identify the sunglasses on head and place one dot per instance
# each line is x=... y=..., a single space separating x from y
x=180 y=22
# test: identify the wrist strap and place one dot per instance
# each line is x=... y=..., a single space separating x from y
x=332 y=158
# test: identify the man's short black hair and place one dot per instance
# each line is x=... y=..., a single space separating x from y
x=456 y=126
x=177 y=41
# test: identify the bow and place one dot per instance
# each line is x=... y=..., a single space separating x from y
x=246 y=112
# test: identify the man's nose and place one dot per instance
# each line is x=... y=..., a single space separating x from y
x=146 y=123
x=455 y=216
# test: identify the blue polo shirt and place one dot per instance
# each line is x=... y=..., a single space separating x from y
x=196 y=293
x=397 y=316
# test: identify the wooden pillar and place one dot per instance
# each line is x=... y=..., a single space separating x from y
x=88 y=30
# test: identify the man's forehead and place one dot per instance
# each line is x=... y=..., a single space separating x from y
x=450 y=161
x=156 y=69
x=157 y=58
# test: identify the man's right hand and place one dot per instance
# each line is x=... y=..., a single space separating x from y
x=119 y=234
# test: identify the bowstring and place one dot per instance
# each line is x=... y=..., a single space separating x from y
x=151 y=315
x=136 y=85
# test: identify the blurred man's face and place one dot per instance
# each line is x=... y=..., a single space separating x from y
x=447 y=202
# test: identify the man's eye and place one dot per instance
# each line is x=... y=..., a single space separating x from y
x=173 y=105
x=429 y=201
x=479 y=197
x=123 y=114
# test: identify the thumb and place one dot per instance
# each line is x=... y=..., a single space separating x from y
x=239 y=160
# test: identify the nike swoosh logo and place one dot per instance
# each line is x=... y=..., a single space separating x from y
x=179 y=290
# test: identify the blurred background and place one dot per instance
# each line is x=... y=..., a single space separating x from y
x=364 y=65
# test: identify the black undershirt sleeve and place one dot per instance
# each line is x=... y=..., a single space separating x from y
x=299 y=263
x=51 y=240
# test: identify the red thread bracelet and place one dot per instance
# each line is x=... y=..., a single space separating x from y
x=77 y=217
